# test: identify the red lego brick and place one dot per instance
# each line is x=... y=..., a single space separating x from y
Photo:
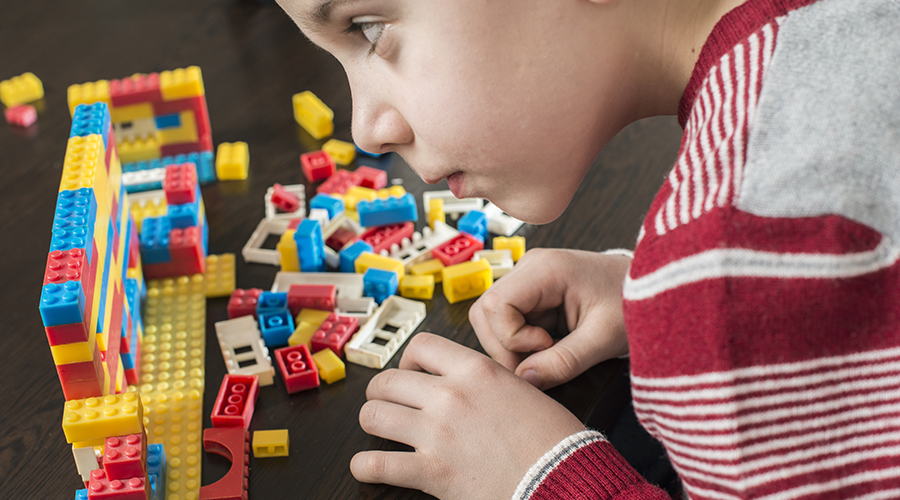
x=23 y=115
x=334 y=333
x=232 y=443
x=317 y=165
x=243 y=302
x=372 y=177
x=382 y=237
x=178 y=105
x=170 y=269
x=67 y=265
x=236 y=401
x=340 y=238
x=66 y=334
x=82 y=371
x=297 y=368
x=101 y=487
x=294 y=223
x=311 y=297
x=115 y=325
x=180 y=184
x=340 y=182
x=124 y=457
x=186 y=245
x=82 y=389
x=204 y=143
x=132 y=377
x=135 y=90
x=285 y=201
x=459 y=249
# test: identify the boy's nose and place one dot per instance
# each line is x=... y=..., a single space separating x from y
x=379 y=127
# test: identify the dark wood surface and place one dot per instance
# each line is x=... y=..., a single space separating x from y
x=253 y=59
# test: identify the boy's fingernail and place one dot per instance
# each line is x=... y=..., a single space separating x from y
x=532 y=378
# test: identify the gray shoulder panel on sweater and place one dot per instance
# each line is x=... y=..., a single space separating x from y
x=825 y=138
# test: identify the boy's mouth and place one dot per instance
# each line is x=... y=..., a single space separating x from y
x=455 y=182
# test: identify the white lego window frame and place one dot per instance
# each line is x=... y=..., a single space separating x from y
x=501 y=261
x=298 y=190
x=147 y=176
x=419 y=249
x=253 y=250
x=453 y=206
x=239 y=334
x=404 y=315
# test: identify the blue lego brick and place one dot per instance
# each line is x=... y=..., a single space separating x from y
x=74 y=221
x=127 y=360
x=126 y=259
x=62 y=304
x=334 y=205
x=276 y=327
x=168 y=121
x=81 y=494
x=206 y=167
x=133 y=296
x=364 y=152
x=205 y=230
x=388 y=211
x=156 y=467
x=155 y=240
x=349 y=255
x=474 y=223
x=154 y=493
x=91 y=119
x=380 y=284
x=270 y=302
x=186 y=215
x=137 y=166
x=310 y=246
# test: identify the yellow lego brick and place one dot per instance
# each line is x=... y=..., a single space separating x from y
x=369 y=259
x=431 y=267
x=331 y=368
x=353 y=214
x=130 y=113
x=21 y=89
x=187 y=132
x=356 y=194
x=314 y=316
x=313 y=115
x=391 y=192
x=94 y=418
x=466 y=280
x=82 y=164
x=303 y=333
x=287 y=252
x=120 y=379
x=232 y=161
x=101 y=442
x=417 y=287
x=148 y=208
x=88 y=93
x=515 y=244
x=343 y=153
x=436 y=211
x=139 y=149
x=181 y=83
x=76 y=352
x=274 y=443
x=219 y=277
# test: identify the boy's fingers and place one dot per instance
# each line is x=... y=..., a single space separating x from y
x=510 y=360
x=404 y=387
x=433 y=354
x=398 y=468
x=391 y=421
x=505 y=309
x=568 y=358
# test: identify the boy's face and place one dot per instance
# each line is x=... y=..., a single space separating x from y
x=494 y=95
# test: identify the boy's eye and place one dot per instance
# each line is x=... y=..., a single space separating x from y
x=369 y=28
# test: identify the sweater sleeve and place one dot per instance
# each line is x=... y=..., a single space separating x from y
x=584 y=466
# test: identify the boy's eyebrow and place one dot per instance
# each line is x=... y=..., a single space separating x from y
x=321 y=15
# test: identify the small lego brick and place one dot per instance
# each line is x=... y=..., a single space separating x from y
x=297 y=368
x=91 y=119
x=285 y=201
x=95 y=418
x=368 y=259
x=391 y=192
x=21 y=89
x=380 y=284
x=435 y=211
x=82 y=163
x=85 y=461
x=82 y=494
x=431 y=267
x=276 y=327
x=232 y=161
x=288 y=257
x=103 y=488
x=236 y=401
x=317 y=166
x=343 y=153
x=332 y=204
x=180 y=184
x=299 y=212
x=474 y=223
x=501 y=261
x=360 y=308
x=516 y=244
x=313 y=115
x=202 y=160
x=351 y=253
x=331 y=368
x=383 y=238
x=139 y=149
x=372 y=177
x=417 y=287
x=388 y=211
x=67 y=265
x=467 y=280
x=311 y=296
x=272 y=302
x=181 y=83
x=22 y=115
x=334 y=332
x=385 y=331
x=340 y=239
x=62 y=304
x=220 y=276
x=313 y=316
x=87 y=93
x=123 y=456
x=134 y=90
x=232 y=443
x=310 y=246
x=356 y=194
x=187 y=215
x=339 y=183
x=156 y=467
x=457 y=250
x=66 y=334
x=274 y=443
x=303 y=333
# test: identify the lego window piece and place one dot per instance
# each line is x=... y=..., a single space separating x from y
x=382 y=335
x=297 y=368
x=360 y=308
x=421 y=248
x=236 y=401
x=501 y=261
x=274 y=443
x=296 y=190
x=499 y=222
x=452 y=205
x=253 y=250
x=243 y=349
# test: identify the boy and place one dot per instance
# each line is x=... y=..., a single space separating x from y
x=762 y=302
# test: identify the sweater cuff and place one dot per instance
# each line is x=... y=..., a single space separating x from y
x=584 y=465
x=619 y=251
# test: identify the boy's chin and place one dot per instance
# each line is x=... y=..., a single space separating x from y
x=531 y=211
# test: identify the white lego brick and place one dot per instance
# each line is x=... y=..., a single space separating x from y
x=142 y=198
x=452 y=205
x=319 y=214
x=499 y=222
x=349 y=285
x=253 y=251
x=501 y=261
x=402 y=315
x=244 y=350
x=360 y=308
x=332 y=258
x=86 y=460
x=143 y=176
x=298 y=190
x=419 y=248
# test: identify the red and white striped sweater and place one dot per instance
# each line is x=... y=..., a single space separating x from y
x=763 y=302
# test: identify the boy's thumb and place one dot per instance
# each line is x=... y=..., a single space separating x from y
x=553 y=366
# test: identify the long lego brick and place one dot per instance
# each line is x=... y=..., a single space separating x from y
x=236 y=401
x=321 y=297
x=74 y=220
x=85 y=164
x=92 y=119
x=232 y=443
x=134 y=90
x=101 y=487
x=383 y=237
x=459 y=249
x=381 y=212
x=97 y=418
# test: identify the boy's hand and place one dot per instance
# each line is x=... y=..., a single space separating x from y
x=583 y=289
x=476 y=428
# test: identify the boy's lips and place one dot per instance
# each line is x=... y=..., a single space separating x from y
x=455 y=181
